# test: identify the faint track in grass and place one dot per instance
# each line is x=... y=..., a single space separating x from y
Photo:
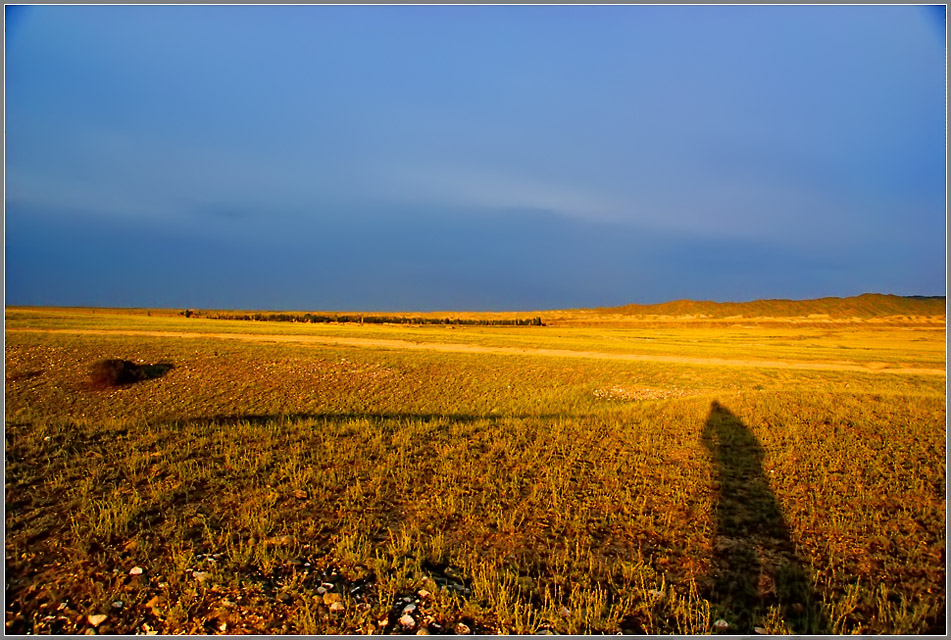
x=407 y=345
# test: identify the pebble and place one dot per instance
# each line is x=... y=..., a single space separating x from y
x=337 y=606
x=462 y=628
x=656 y=593
x=321 y=591
x=135 y=571
x=117 y=604
x=565 y=612
x=200 y=576
x=760 y=630
x=423 y=632
x=422 y=593
x=721 y=625
x=410 y=608
x=96 y=619
x=407 y=621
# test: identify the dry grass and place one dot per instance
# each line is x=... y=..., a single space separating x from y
x=502 y=493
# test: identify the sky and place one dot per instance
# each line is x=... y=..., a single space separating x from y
x=471 y=157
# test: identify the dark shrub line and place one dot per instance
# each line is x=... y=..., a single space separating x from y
x=363 y=319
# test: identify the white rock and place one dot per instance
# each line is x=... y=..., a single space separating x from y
x=564 y=612
x=721 y=625
x=422 y=593
x=337 y=606
x=135 y=571
x=321 y=591
x=760 y=630
x=462 y=628
x=118 y=604
x=97 y=619
x=407 y=621
x=200 y=576
x=410 y=608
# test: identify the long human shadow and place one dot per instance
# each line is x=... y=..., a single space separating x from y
x=755 y=564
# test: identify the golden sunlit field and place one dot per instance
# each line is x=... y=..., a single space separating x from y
x=603 y=473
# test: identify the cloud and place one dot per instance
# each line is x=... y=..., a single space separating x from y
x=113 y=173
x=459 y=186
x=63 y=193
x=694 y=194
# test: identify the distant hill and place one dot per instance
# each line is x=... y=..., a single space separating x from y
x=868 y=305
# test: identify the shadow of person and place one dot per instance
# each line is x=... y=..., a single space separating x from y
x=755 y=565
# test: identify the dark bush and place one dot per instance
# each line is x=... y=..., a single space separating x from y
x=114 y=372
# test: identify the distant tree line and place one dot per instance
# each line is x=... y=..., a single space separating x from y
x=367 y=319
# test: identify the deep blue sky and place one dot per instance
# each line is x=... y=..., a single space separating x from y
x=422 y=158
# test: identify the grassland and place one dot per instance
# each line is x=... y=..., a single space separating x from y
x=278 y=479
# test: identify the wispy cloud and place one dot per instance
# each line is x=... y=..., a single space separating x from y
x=76 y=195
x=459 y=186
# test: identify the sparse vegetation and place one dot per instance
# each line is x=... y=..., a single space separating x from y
x=869 y=305
x=290 y=488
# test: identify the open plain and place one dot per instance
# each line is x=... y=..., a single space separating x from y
x=610 y=471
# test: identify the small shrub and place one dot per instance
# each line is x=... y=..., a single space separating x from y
x=114 y=372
